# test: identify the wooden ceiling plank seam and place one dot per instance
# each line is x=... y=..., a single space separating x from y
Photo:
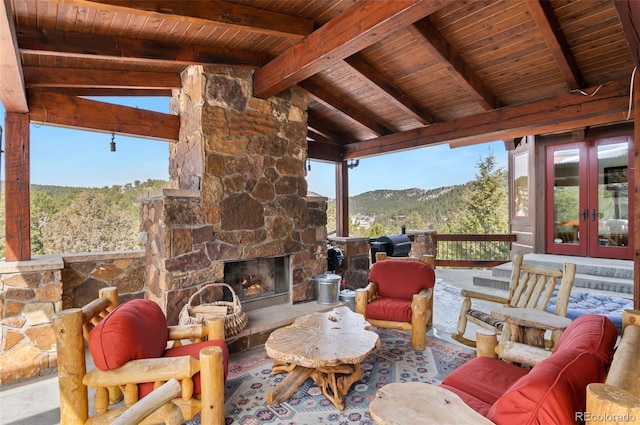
x=629 y=13
x=546 y=20
x=564 y=112
x=74 y=112
x=363 y=24
x=12 y=89
x=461 y=72
x=392 y=92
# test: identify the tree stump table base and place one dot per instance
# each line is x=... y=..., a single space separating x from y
x=326 y=347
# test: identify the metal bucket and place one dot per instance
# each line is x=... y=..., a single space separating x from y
x=349 y=296
x=328 y=286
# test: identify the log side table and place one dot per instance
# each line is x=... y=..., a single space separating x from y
x=528 y=325
x=326 y=347
x=417 y=403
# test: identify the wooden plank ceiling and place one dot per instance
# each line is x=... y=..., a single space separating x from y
x=381 y=75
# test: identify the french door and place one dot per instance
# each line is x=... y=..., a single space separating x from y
x=589 y=209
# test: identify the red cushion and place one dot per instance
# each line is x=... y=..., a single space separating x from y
x=389 y=309
x=470 y=400
x=551 y=393
x=485 y=378
x=192 y=350
x=401 y=278
x=594 y=333
x=136 y=329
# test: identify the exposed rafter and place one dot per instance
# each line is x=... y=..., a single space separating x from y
x=399 y=98
x=350 y=112
x=73 y=44
x=12 y=91
x=40 y=77
x=360 y=26
x=559 y=113
x=226 y=15
x=457 y=67
x=546 y=20
x=74 y=112
x=629 y=13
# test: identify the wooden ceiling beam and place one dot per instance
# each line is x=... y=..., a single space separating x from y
x=324 y=152
x=119 y=92
x=558 y=113
x=323 y=127
x=439 y=47
x=349 y=111
x=45 y=77
x=543 y=14
x=358 y=27
x=389 y=90
x=317 y=136
x=75 y=112
x=223 y=14
x=79 y=45
x=12 y=91
x=629 y=14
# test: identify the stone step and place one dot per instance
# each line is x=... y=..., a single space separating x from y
x=594 y=274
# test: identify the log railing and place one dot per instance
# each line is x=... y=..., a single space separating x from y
x=472 y=250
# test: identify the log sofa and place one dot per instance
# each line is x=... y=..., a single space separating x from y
x=486 y=390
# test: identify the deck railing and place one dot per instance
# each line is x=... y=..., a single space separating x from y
x=472 y=250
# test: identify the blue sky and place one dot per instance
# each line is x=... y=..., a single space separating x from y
x=68 y=157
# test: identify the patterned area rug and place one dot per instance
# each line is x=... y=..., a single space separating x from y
x=250 y=380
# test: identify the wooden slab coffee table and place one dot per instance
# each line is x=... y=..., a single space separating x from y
x=326 y=347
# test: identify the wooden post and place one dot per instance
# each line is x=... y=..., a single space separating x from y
x=342 y=199
x=17 y=198
x=486 y=343
x=74 y=399
x=212 y=379
x=636 y=194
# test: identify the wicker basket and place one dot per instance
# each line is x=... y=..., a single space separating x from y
x=235 y=319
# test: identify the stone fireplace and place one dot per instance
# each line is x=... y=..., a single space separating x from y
x=259 y=282
x=238 y=192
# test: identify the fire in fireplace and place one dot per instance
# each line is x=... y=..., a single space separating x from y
x=258 y=279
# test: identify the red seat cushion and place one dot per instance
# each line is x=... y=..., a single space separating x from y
x=401 y=278
x=389 y=309
x=552 y=392
x=595 y=333
x=485 y=378
x=136 y=329
x=192 y=350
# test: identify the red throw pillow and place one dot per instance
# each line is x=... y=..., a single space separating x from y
x=135 y=330
x=551 y=393
x=401 y=278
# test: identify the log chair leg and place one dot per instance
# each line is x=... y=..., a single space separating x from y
x=212 y=392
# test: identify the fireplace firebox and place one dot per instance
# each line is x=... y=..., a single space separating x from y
x=259 y=282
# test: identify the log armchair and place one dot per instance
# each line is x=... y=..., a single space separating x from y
x=399 y=296
x=530 y=286
x=135 y=352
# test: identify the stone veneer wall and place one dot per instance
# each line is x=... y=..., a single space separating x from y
x=32 y=291
x=239 y=181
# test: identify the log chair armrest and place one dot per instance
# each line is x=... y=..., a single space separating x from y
x=609 y=405
x=144 y=370
x=364 y=296
x=213 y=330
x=521 y=353
x=422 y=297
x=483 y=296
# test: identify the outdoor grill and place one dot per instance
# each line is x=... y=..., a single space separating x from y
x=393 y=245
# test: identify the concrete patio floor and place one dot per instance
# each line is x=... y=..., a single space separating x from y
x=36 y=401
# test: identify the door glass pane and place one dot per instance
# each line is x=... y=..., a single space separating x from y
x=521 y=185
x=566 y=196
x=613 y=195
